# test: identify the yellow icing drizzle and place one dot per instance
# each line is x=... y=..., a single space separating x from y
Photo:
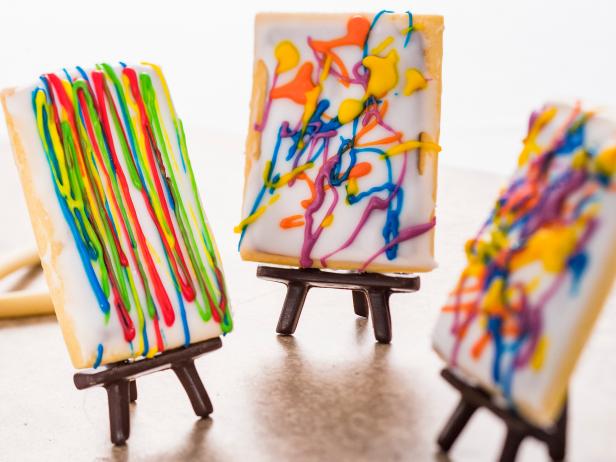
x=312 y=97
x=326 y=67
x=252 y=218
x=493 y=300
x=349 y=109
x=383 y=73
x=159 y=72
x=606 y=161
x=327 y=221
x=579 y=159
x=414 y=81
x=287 y=56
x=284 y=179
x=352 y=186
x=409 y=145
x=533 y=285
x=154 y=253
x=538 y=358
x=530 y=143
x=381 y=46
x=550 y=246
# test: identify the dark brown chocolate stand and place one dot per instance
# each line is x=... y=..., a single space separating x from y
x=371 y=293
x=518 y=428
x=119 y=379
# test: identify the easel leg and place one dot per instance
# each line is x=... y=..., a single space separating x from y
x=381 y=319
x=558 y=446
x=360 y=303
x=512 y=444
x=456 y=423
x=190 y=380
x=133 y=391
x=292 y=308
x=119 y=419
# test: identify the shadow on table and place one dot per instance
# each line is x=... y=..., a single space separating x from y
x=363 y=409
x=361 y=330
x=196 y=446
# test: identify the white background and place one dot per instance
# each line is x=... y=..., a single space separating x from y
x=501 y=59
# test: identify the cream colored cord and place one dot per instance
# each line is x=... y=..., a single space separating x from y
x=21 y=303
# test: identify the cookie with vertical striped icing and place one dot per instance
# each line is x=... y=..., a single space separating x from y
x=128 y=255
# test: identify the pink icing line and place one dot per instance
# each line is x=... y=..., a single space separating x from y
x=375 y=203
x=405 y=234
x=310 y=238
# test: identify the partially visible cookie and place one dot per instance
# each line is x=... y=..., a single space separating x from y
x=540 y=268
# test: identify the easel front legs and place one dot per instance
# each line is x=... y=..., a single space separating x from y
x=292 y=308
x=190 y=380
x=381 y=318
x=119 y=418
x=456 y=423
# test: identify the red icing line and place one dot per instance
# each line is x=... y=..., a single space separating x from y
x=92 y=135
x=159 y=289
x=125 y=320
x=159 y=337
x=185 y=286
x=223 y=297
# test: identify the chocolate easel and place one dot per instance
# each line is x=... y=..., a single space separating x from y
x=119 y=380
x=518 y=428
x=371 y=293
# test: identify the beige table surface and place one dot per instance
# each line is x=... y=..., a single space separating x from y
x=328 y=393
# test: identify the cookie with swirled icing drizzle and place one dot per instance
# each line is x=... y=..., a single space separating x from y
x=541 y=266
x=341 y=154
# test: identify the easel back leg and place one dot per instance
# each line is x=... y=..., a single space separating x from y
x=381 y=318
x=360 y=303
x=292 y=308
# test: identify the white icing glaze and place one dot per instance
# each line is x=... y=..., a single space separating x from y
x=83 y=319
x=409 y=114
x=565 y=315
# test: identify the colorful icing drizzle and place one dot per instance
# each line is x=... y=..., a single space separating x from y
x=533 y=246
x=322 y=159
x=112 y=152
